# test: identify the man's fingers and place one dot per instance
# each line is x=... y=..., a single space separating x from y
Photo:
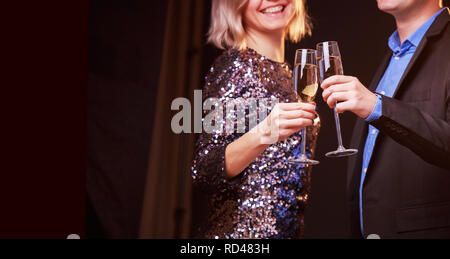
x=344 y=106
x=334 y=88
x=336 y=79
x=337 y=96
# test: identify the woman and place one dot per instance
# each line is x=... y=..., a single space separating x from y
x=255 y=193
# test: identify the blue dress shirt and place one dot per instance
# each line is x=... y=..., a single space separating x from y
x=402 y=54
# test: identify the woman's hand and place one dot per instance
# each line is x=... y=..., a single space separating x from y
x=284 y=120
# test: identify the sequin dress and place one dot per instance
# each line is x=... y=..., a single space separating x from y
x=268 y=199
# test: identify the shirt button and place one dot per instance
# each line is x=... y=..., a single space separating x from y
x=365 y=170
x=383 y=92
x=397 y=57
x=374 y=131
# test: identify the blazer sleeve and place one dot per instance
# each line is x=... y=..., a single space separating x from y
x=421 y=132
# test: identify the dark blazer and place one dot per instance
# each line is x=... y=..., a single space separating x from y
x=406 y=192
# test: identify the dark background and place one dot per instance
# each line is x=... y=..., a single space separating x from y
x=44 y=100
x=125 y=46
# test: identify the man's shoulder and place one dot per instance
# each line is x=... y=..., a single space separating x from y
x=441 y=25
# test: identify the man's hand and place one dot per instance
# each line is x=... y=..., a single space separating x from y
x=351 y=94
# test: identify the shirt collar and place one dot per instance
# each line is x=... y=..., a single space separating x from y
x=413 y=39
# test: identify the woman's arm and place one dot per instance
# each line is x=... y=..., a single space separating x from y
x=221 y=156
x=284 y=120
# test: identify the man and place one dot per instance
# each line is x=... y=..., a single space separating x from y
x=399 y=183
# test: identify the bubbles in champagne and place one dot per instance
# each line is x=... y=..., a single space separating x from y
x=306 y=82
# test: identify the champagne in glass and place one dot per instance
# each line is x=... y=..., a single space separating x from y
x=306 y=83
x=329 y=59
x=333 y=66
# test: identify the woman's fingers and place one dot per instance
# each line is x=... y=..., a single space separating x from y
x=296 y=123
x=288 y=118
x=296 y=106
x=286 y=132
x=293 y=123
x=295 y=114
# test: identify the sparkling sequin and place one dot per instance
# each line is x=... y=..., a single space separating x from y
x=268 y=199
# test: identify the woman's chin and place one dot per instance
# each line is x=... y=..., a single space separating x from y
x=273 y=28
x=274 y=21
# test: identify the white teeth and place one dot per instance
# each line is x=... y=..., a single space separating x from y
x=275 y=9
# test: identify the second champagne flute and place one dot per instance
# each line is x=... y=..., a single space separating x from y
x=329 y=59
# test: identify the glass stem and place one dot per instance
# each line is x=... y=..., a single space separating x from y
x=303 y=142
x=338 y=128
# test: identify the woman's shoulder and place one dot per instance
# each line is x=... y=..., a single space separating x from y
x=232 y=58
x=231 y=63
x=232 y=73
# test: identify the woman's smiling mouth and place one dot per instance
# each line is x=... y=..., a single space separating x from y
x=273 y=9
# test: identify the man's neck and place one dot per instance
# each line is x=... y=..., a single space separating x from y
x=268 y=45
x=410 y=21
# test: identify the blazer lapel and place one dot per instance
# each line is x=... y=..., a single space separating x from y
x=419 y=50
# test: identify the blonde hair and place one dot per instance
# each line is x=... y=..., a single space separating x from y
x=227 y=27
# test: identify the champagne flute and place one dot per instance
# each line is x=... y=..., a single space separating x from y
x=306 y=83
x=329 y=59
